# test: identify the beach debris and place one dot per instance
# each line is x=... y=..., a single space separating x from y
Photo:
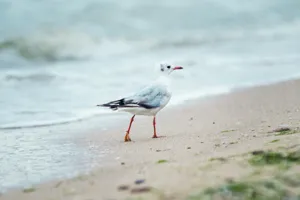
x=214 y=122
x=162 y=161
x=229 y=180
x=189 y=147
x=141 y=190
x=191 y=118
x=158 y=150
x=123 y=187
x=217 y=145
x=284 y=130
x=58 y=184
x=122 y=163
x=227 y=131
x=139 y=181
x=273 y=141
x=218 y=159
x=287 y=132
x=257 y=152
x=28 y=190
x=281 y=129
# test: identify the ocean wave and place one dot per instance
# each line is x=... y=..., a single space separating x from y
x=49 y=123
x=51 y=46
x=31 y=77
x=60 y=45
x=57 y=45
x=196 y=39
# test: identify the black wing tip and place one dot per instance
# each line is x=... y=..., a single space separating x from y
x=111 y=106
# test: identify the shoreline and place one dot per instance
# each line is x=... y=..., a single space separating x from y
x=96 y=116
x=216 y=126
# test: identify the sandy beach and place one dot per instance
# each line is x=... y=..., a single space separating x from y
x=209 y=143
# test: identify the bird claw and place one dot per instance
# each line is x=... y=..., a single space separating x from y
x=155 y=136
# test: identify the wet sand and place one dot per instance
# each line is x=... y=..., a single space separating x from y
x=208 y=143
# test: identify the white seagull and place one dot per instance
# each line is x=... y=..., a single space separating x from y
x=148 y=101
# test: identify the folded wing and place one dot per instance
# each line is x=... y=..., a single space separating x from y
x=148 y=98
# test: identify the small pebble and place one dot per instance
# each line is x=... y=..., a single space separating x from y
x=258 y=152
x=229 y=180
x=189 y=147
x=139 y=181
x=123 y=187
x=122 y=163
x=140 y=190
x=213 y=122
x=281 y=129
x=158 y=150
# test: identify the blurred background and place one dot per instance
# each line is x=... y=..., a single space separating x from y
x=59 y=59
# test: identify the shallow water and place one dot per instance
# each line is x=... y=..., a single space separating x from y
x=57 y=62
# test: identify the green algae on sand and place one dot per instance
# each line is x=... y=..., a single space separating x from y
x=262 y=158
x=28 y=190
x=246 y=190
x=161 y=161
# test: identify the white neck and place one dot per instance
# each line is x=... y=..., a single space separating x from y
x=164 y=79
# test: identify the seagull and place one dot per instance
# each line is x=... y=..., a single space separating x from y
x=148 y=101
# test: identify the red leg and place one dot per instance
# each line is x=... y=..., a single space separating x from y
x=154 y=126
x=127 y=138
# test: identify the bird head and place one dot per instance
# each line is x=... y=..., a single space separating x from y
x=167 y=68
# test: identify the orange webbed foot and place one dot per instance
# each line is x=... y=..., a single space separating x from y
x=155 y=136
x=127 y=138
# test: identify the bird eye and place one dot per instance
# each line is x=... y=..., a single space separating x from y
x=168 y=66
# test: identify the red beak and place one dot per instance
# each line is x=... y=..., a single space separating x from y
x=177 y=67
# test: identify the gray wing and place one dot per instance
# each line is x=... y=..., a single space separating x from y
x=150 y=97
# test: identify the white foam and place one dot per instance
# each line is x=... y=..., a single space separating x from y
x=44 y=123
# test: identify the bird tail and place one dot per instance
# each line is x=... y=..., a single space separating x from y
x=113 y=104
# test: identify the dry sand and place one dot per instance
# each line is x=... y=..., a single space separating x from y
x=207 y=143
